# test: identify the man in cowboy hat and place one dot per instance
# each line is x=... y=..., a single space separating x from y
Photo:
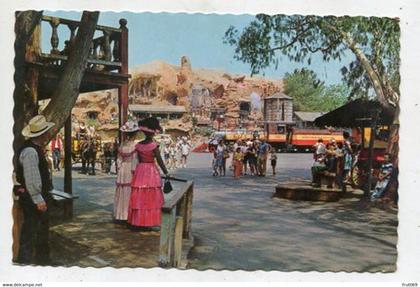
x=34 y=188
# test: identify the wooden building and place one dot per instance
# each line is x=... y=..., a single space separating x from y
x=306 y=120
x=166 y=112
x=107 y=68
x=244 y=109
x=216 y=113
x=42 y=68
x=278 y=108
x=278 y=117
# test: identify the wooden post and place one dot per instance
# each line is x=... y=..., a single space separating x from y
x=68 y=207
x=178 y=241
x=370 y=158
x=188 y=212
x=166 y=238
x=25 y=95
x=123 y=90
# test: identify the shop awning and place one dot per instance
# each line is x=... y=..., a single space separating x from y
x=356 y=113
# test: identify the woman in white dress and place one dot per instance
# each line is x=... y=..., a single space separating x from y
x=126 y=165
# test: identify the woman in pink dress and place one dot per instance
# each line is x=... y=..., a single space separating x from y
x=126 y=164
x=146 y=193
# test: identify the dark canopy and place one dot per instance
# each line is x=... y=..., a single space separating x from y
x=356 y=113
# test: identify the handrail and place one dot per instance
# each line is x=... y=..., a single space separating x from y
x=90 y=61
x=107 y=52
x=173 y=201
x=77 y=23
x=175 y=226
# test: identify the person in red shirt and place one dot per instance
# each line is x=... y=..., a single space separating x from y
x=56 y=147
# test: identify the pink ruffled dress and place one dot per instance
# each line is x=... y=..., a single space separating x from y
x=146 y=193
x=126 y=162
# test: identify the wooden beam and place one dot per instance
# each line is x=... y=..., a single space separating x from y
x=170 y=204
x=55 y=57
x=77 y=23
x=370 y=157
x=68 y=188
x=178 y=241
x=166 y=238
x=65 y=96
x=123 y=90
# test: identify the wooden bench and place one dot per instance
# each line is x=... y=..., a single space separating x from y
x=65 y=201
x=329 y=179
x=175 y=228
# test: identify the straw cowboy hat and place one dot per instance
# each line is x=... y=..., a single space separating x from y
x=37 y=126
x=129 y=127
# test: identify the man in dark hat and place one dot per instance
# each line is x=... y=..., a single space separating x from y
x=34 y=184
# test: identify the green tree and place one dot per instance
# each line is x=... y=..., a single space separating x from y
x=373 y=41
x=310 y=94
x=333 y=97
x=305 y=89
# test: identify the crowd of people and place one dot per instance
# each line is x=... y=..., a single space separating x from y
x=332 y=158
x=138 y=196
x=176 y=153
x=339 y=158
x=247 y=157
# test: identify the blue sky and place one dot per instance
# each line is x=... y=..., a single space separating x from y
x=166 y=36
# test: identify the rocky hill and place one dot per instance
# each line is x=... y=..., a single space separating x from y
x=200 y=91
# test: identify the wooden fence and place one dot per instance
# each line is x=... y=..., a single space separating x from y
x=176 y=226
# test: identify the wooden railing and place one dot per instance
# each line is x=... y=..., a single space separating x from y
x=176 y=226
x=107 y=52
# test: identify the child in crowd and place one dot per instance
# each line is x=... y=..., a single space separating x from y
x=383 y=178
x=214 y=164
x=166 y=155
x=273 y=160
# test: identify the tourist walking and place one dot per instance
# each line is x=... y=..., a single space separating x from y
x=252 y=159
x=56 y=147
x=172 y=156
x=237 y=162
x=33 y=188
x=126 y=165
x=273 y=161
x=107 y=158
x=244 y=151
x=214 y=163
x=185 y=151
x=347 y=157
x=166 y=154
x=178 y=154
x=221 y=155
x=146 y=193
x=263 y=151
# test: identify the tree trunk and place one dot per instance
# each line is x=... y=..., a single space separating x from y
x=382 y=90
x=374 y=78
x=64 y=98
x=24 y=95
x=393 y=144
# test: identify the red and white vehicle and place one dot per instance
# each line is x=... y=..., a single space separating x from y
x=304 y=139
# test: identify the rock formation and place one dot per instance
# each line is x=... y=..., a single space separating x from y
x=198 y=90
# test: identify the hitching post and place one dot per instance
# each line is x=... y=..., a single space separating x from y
x=375 y=114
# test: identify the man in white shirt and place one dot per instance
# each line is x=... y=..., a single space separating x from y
x=33 y=189
x=185 y=151
x=319 y=149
